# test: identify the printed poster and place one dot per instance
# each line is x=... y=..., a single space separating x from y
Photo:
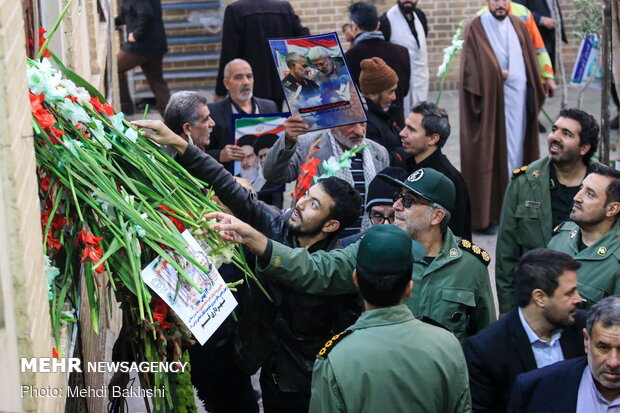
x=316 y=81
x=586 y=62
x=256 y=134
x=201 y=313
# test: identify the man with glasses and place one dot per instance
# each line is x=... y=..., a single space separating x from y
x=450 y=285
x=379 y=202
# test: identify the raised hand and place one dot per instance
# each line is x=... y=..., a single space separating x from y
x=158 y=132
x=232 y=229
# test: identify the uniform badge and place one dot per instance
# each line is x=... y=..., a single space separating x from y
x=453 y=252
x=573 y=233
x=416 y=176
x=602 y=251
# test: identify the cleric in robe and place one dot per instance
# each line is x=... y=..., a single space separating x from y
x=501 y=96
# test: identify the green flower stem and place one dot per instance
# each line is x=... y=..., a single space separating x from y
x=50 y=218
x=54 y=28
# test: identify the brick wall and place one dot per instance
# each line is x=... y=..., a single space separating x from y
x=443 y=19
x=22 y=272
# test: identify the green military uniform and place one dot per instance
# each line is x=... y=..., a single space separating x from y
x=453 y=290
x=599 y=274
x=526 y=222
x=389 y=361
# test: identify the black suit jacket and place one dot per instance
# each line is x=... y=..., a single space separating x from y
x=222 y=133
x=501 y=351
x=247 y=26
x=552 y=389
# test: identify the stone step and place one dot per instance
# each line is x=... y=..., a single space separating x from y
x=189 y=5
x=181 y=10
x=181 y=74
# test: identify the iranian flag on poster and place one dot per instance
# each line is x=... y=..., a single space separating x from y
x=259 y=126
x=301 y=45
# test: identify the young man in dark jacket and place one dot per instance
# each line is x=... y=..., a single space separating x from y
x=378 y=83
x=282 y=337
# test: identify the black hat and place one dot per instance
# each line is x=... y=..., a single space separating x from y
x=265 y=141
x=381 y=192
x=388 y=250
x=429 y=184
x=246 y=140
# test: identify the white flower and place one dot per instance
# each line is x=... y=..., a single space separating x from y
x=36 y=81
x=131 y=134
x=74 y=112
x=51 y=273
x=46 y=68
x=72 y=145
x=82 y=96
x=117 y=121
x=331 y=167
x=99 y=133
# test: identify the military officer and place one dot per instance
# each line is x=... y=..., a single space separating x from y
x=298 y=82
x=451 y=284
x=593 y=235
x=540 y=196
x=408 y=365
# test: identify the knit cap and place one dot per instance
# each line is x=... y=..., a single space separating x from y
x=376 y=76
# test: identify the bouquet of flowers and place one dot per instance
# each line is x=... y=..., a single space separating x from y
x=112 y=201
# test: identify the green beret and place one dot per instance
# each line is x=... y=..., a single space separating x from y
x=387 y=249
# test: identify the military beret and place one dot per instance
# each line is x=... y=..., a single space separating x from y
x=387 y=250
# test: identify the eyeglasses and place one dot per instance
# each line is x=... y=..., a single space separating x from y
x=408 y=200
x=378 y=219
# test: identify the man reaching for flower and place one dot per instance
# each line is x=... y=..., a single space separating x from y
x=282 y=337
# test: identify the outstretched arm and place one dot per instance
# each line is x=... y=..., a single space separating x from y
x=322 y=272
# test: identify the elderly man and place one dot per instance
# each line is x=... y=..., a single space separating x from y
x=593 y=236
x=369 y=42
x=332 y=76
x=289 y=152
x=545 y=328
x=588 y=384
x=501 y=95
x=298 y=84
x=280 y=336
x=405 y=24
x=451 y=284
x=426 y=130
x=187 y=114
x=540 y=195
x=378 y=83
x=239 y=82
x=246 y=27
x=407 y=365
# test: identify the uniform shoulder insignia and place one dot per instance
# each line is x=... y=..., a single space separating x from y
x=564 y=226
x=481 y=254
x=519 y=171
x=332 y=342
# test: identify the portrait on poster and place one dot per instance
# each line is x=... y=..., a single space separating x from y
x=316 y=81
x=256 y=134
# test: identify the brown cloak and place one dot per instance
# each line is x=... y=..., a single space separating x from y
x=484 y=156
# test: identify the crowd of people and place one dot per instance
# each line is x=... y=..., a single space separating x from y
x=379 y=299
